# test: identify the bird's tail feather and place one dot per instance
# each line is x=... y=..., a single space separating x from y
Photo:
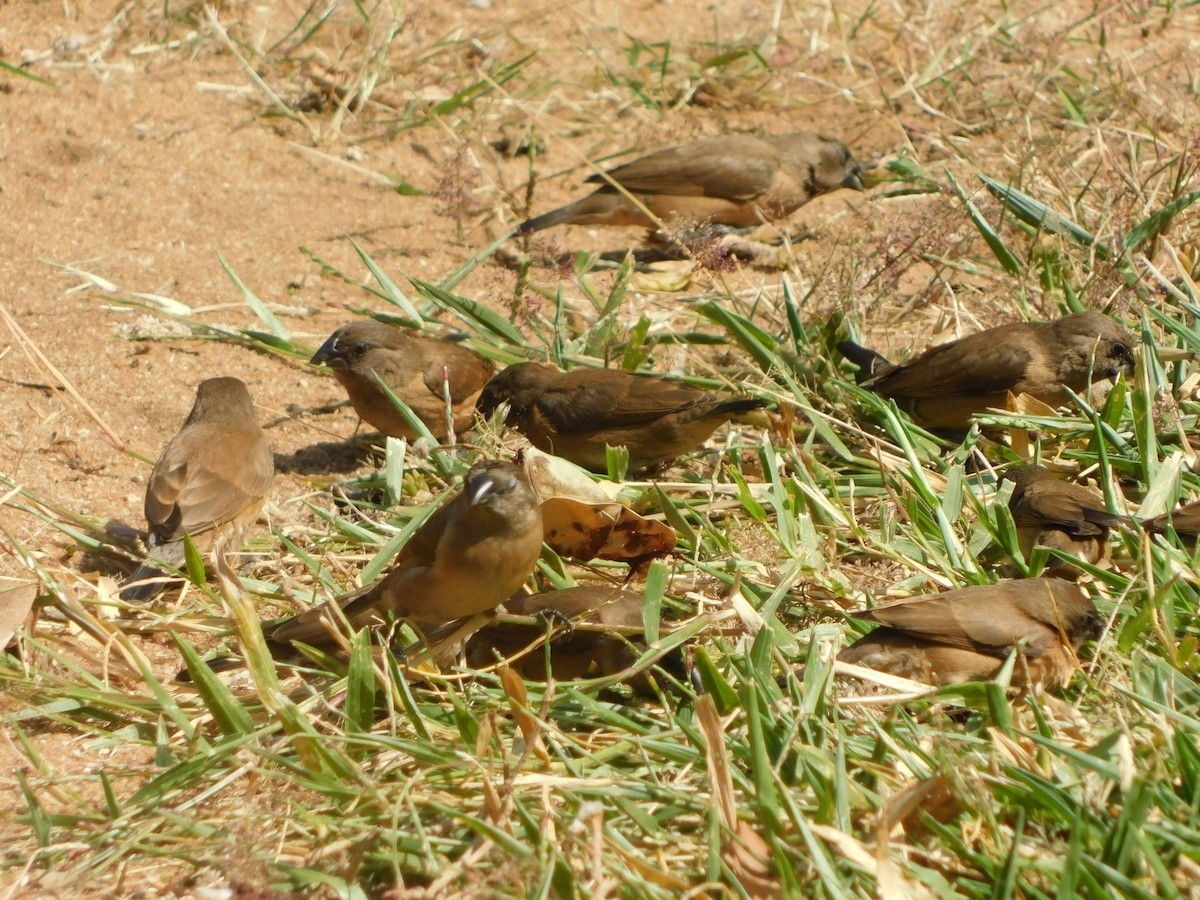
x=545 y=220
x=741 y=404
x=146 y=583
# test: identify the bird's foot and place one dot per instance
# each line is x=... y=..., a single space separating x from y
x=551 y=617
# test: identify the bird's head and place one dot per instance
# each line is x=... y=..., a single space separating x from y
x=223 y=398
x=351 y=343
x=1094 y=336
x=498 y=486
x=517 y=385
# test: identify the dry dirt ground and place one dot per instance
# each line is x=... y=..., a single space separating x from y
x=145 y=166
x=147 y=155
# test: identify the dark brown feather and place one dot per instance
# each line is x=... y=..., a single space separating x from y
x=946 y=385
x=1059 y=514
x=574 y=653
x=965 y=635
x=575 y=414
x=1185 y=520
x=738 y=180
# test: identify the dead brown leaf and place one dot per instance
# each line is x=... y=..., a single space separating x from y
x=16 y=605
x=581 y=521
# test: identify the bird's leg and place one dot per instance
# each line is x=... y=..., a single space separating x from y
x=549 y=617
x=448 y=407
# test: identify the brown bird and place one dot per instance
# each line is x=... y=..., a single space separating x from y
x=574 y=414
x=1185 y=520
x=966 y=635
x=943 y=387
x=572 y=654
x=209 y=483
x=575 y=652
x=469 y=557
x=738 y=180
x=415 y=368
x=1049 y=512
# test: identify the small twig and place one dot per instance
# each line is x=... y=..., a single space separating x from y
x=37 y=356
x=210 y=15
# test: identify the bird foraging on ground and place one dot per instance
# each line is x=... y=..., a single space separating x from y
x=468 y=558
x=210 y=482
x=575 y=414
x=419 y=370
x=573 y=654
x=738 y=180
x=967 y=634
x=1183 y=520
x=946 y=385
x=1049 y=512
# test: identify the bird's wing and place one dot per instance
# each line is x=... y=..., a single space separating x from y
x=1185 y=519
x=974 y=365
x=421 y=548
x=610 y=403
x=732 y=169
x=981 y=620
x=195 y=491
x=1064 y=509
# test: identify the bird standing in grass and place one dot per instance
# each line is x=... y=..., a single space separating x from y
x=946 y=385
x=575 y=414
x=573 y=654
x=468 y=558
x=1184 y=520
x=1049 y=512
x=210 y=482
x=739 y=180
x=416 y=369
x=967 y=634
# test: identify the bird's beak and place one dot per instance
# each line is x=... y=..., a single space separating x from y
x=327 y=353
x=1126 y=364
x=480 y=488
x=854 y=179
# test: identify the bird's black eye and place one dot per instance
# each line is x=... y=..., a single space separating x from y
x=1120 y=349
x=360 y=348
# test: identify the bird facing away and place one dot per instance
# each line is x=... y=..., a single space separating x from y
x=574 y=414
x=574 y=652
x=415 y=368
x=209 y=483
x=967 y=634
x=1185 y=520
x=943 y=387
x=1049 y=512
x=469 y=557
x=739 y=180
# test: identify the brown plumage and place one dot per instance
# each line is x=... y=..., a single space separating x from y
x=574 y=414
x=468 y=558
x=415 y=368
x=1185 y=520
x=210 y=481
x=943 y=387
x=574 y=652
x=966 y=635
x=738 y=180
x=1053 y=513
